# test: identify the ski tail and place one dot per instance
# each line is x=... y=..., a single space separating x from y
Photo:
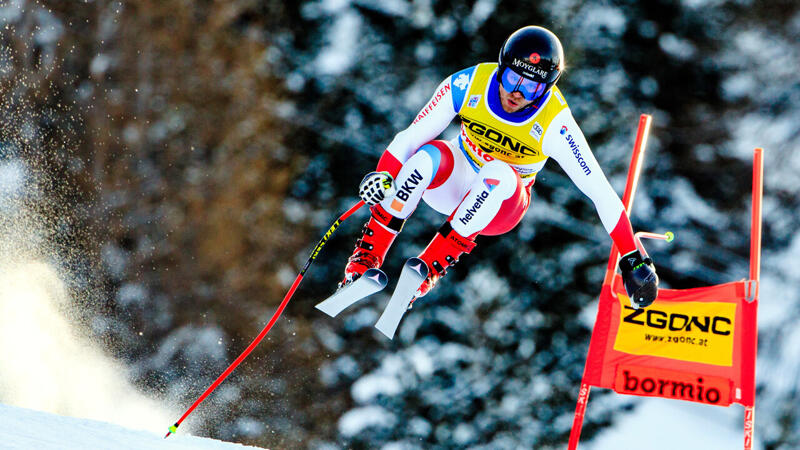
x=414 y=273
x=372 y=281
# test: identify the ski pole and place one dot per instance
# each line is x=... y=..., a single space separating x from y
x=272 y=321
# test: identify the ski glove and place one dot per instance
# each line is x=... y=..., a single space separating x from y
x=375 y=187
x=640 y=279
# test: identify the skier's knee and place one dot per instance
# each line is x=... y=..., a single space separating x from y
x=442 y=158
x=497 y=174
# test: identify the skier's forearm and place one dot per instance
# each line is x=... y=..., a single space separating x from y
x=389 y=163
x=622 y=235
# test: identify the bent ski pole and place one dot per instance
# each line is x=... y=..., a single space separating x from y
x=668 y=236
x=272 y=321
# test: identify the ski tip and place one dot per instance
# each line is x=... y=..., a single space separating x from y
x=378 y=276
x=417 y=265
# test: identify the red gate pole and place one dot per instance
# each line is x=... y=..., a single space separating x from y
x=750 y=335
x=634 y=170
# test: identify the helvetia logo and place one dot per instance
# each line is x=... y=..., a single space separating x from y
x=479 y=199
x=490 y=183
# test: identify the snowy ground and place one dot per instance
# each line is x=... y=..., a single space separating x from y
x=655 y=425
x=662 y=424
x=25 y=429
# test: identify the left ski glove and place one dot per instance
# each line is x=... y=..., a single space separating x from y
x=640 y=279
x=375 y=187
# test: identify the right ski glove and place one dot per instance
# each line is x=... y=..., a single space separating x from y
x=640 y=279
x=375 y=187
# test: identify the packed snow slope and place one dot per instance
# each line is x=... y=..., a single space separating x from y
x=25 y=429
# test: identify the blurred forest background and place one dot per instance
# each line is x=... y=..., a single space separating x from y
x=183 y=157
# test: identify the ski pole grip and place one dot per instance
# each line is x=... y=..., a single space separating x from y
x=669 y=236
x=328 y=234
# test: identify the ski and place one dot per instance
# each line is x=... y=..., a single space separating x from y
x=411 y=278
x=371 y=282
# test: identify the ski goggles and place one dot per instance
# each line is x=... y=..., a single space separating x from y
x=529 y=89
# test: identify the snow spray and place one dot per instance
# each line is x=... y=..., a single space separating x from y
x=46 y=364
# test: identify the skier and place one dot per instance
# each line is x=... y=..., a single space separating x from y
x=513 y=118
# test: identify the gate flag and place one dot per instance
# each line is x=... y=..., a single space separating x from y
x=694 y=345
x=691 y=344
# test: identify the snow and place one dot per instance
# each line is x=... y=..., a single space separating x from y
x=357 y=420
x=421 y=360
x=600 y=25
x=661 y=424
x=132 y=294
x=481 y=11
x=679 y=48
x=366 y=388
x=57 y=370
x=25 y=429
x=11 y=12
x=12 y=182
x=340 y=53
x=99 y=65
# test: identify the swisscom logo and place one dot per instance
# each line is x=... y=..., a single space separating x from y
x=575 y=150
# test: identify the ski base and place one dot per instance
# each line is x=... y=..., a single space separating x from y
x=414 y=273
x=372 y=281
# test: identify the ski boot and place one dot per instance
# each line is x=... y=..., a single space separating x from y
x=379 y=233
x=442 y=252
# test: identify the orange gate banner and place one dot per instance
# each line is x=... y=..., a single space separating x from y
x=691 y=344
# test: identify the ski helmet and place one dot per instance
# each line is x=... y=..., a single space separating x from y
x=534 y=53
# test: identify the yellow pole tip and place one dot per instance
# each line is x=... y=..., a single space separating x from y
x=670 y=236
x=173 y=429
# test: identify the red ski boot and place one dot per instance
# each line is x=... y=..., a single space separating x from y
x=379 y=233
x=442 y=252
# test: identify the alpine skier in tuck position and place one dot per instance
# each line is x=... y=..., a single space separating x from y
x=513 y=118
